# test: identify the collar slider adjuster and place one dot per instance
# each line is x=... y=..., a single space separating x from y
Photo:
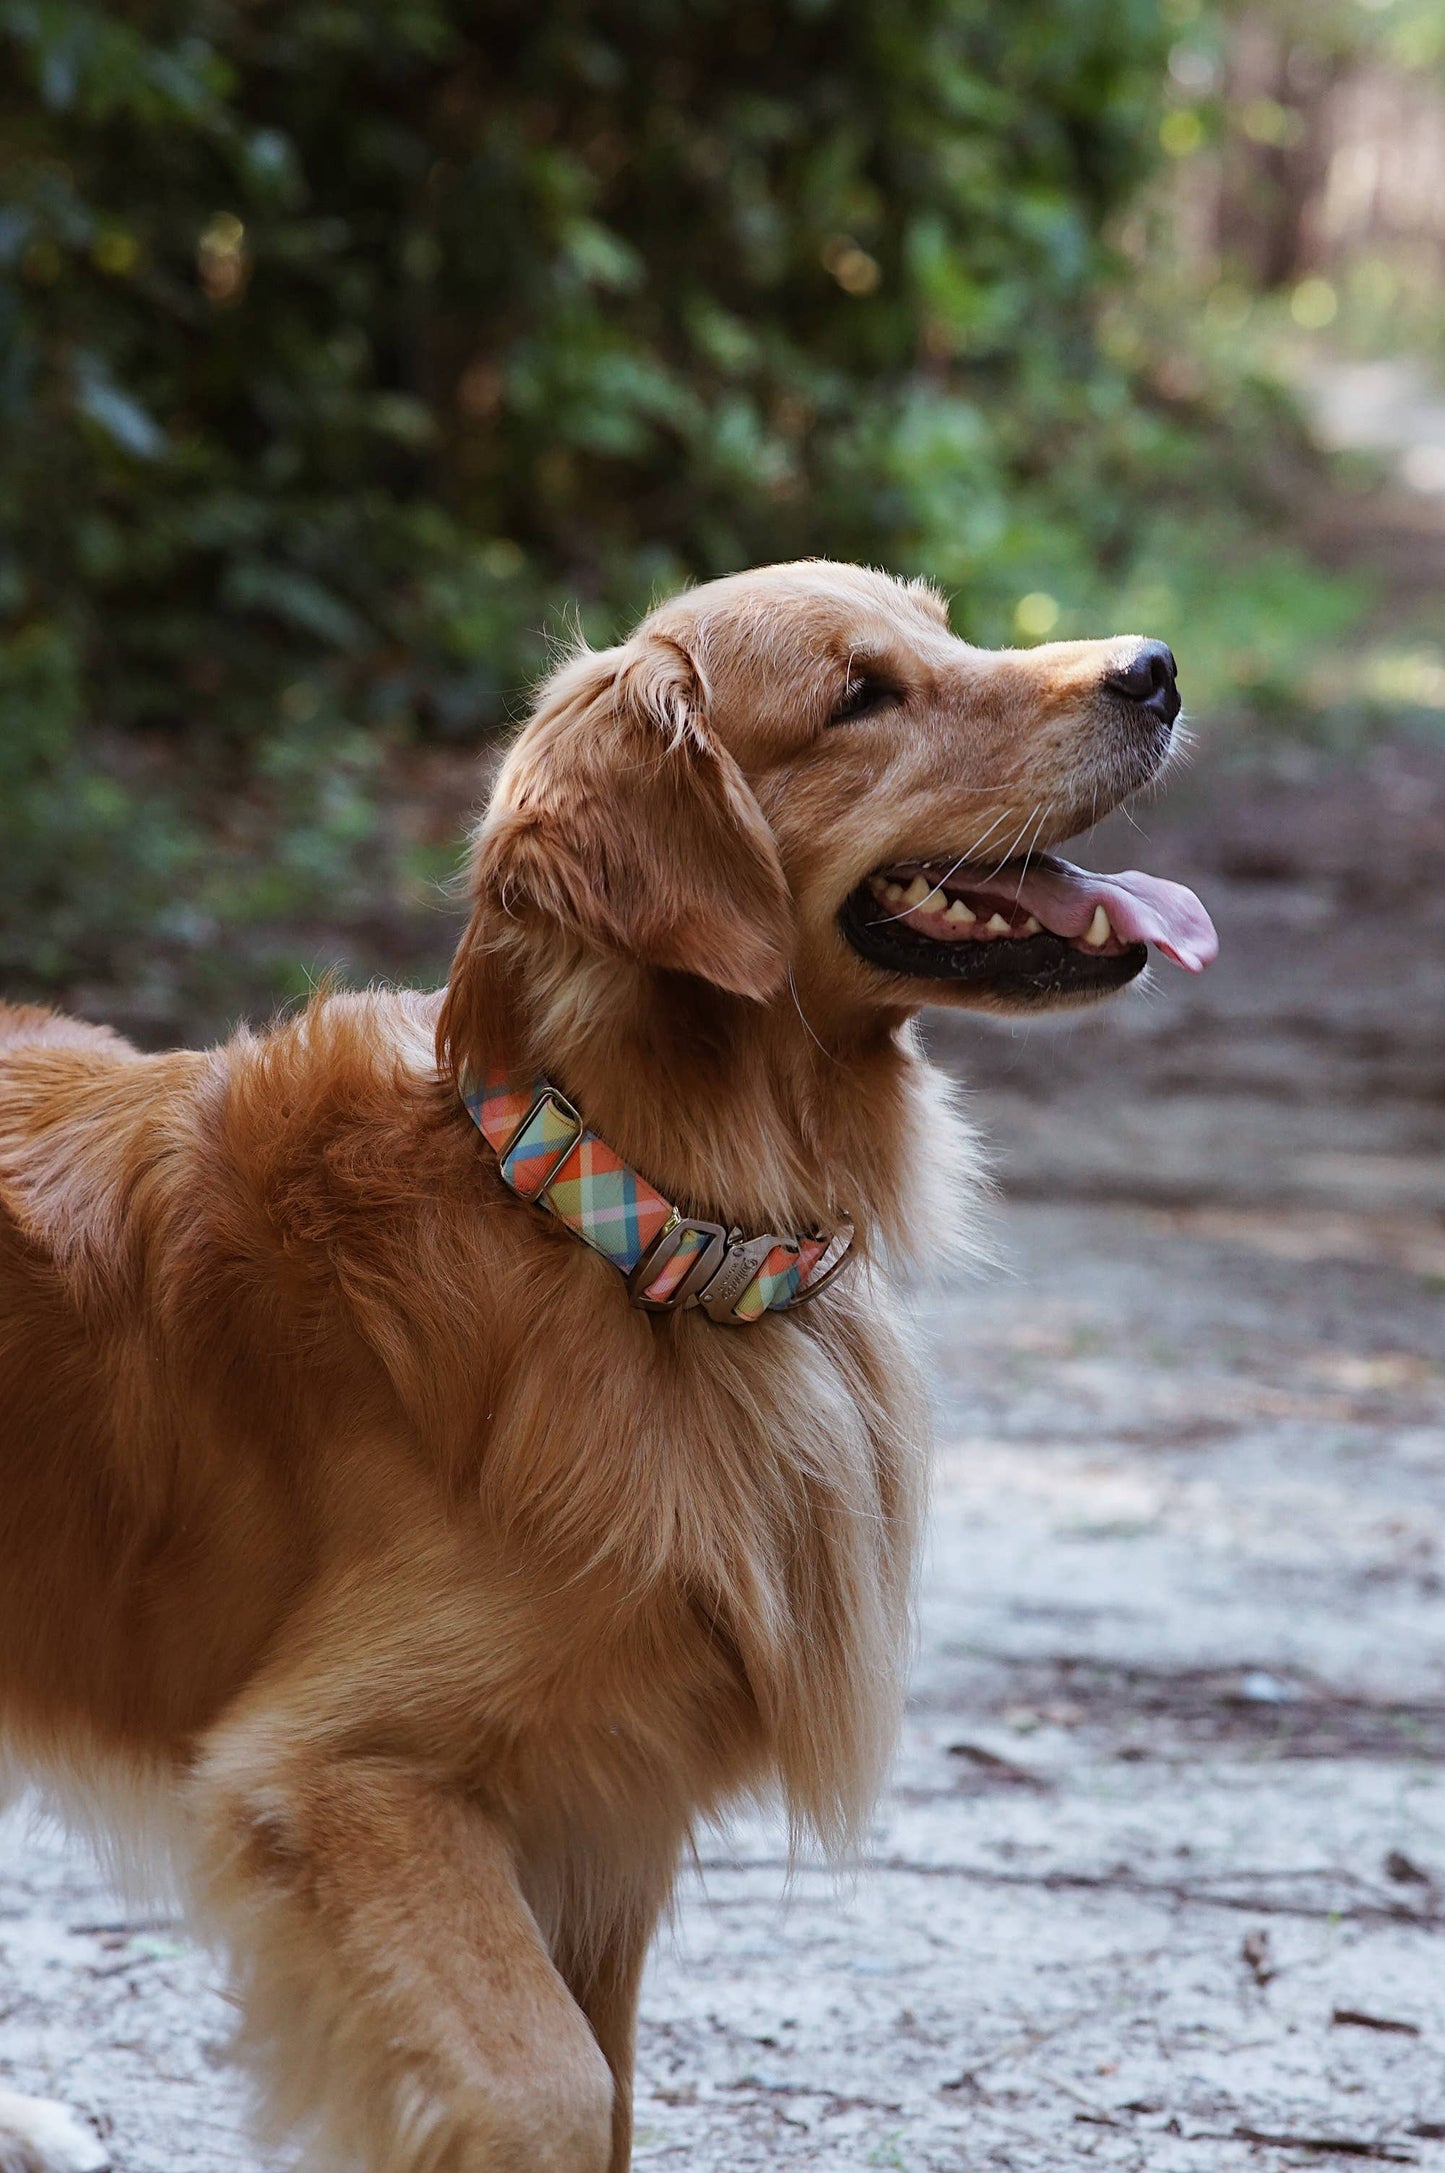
x=676 y=1265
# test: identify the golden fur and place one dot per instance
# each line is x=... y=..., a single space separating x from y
x=350 y=1510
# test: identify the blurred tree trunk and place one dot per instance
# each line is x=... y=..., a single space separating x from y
x=1281 y=112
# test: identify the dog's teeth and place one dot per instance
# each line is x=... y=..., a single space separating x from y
x=1098 y=930
x=1032 y=927
x=959 y=912
x=893 y=892
x=916 y=892
x=997 y=923
x=935 y=902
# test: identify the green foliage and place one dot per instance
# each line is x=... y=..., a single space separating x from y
x=83 y=864
x=342 y=342
x=176 y=873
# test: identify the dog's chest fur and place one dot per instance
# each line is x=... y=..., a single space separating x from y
x=692 y=1569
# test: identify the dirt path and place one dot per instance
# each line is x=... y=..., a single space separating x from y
x=1170 y=1796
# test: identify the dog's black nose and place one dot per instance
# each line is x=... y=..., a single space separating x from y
x=1150 y=678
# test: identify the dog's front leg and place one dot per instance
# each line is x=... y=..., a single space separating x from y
x=395 y=1988
x=607 y=1993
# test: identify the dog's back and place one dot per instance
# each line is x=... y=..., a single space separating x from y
x=81 y=1114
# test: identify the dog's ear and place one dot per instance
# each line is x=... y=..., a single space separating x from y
x=622 y=818
x=625 y=819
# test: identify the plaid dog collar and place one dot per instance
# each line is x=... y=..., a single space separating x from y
x=672 y=1261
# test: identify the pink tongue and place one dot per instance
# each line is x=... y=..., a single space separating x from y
x=1141 y=908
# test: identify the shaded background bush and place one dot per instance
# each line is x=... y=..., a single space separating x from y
x=347 y=338
x=344 y=348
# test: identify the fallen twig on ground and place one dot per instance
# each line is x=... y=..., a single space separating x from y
x=1195 y=1893
x=1337 y=2146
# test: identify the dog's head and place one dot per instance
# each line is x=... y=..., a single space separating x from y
x=801 y=775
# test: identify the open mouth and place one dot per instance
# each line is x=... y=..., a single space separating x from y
x=1027 y=931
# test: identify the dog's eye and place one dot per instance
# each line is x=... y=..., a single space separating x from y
x=864 y=697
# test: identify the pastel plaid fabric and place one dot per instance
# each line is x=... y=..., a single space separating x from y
x=498 y=1106
x=576 y=1176
x=671 y=1273
x=608 y=1205
x=782 y=1275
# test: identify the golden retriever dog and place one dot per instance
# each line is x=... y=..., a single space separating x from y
x=424 y=1576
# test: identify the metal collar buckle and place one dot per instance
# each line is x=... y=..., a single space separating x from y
x=741 y=1261
x=662 y=1249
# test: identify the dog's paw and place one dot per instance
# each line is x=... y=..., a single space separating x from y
x=37 y=2136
